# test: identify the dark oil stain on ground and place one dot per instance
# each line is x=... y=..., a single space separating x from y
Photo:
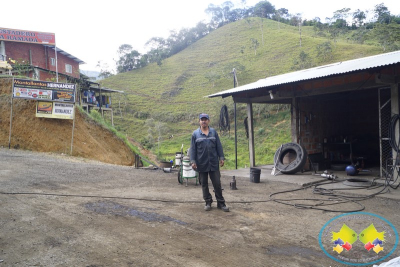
x=121 y=210
x=293 y=250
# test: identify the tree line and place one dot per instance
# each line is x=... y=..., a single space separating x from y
x=383 y=26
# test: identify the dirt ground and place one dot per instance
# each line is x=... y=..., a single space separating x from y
x=28 y=132
x=64 y=211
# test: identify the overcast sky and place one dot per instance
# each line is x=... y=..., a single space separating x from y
x=93 y=30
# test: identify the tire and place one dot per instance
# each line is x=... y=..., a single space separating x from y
x=180 y=179
x=294 y=166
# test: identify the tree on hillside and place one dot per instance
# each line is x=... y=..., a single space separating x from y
x=155 y=129
x=254 y=44
x=387 y=35
x=129 y=59
x=220 y=14
x=105 y=71
x=359 y=17
x=303 y=61
x=324 y=51
x=382 y=13
x=264 y=9
x=281 y=13
x=319 y=27
x=339 y=25
x=295 y=20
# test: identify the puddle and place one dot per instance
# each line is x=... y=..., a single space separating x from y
x=121 y=210
x=292 y=250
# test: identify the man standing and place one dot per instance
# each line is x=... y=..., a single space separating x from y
x=206 y=155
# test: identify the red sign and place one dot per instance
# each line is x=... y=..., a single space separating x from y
x=27 y=36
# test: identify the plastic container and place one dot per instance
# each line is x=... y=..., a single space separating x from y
x=178 y=156
x=188 y=171
x=255 y=175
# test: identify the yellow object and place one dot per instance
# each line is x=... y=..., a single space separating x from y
x=370 y=233
x=378 y=248
x=5 y=65
x=338 y=249
x=346 y=234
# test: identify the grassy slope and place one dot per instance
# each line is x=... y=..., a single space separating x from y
x=174 y=92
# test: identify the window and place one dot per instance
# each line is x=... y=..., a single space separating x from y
x=52 y=61
x=68 y=68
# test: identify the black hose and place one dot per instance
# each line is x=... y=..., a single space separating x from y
x=392 y=133
x=246 y=127
x=395 y=144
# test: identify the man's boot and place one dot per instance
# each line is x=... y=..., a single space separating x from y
x=207 y=207
x=223 y=207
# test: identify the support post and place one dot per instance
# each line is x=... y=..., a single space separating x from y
x=11 y=113
x=251 y=134
x=234 y=108
x=294 y=121
x=394 y=92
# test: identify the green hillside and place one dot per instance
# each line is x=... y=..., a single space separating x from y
x=173 y=94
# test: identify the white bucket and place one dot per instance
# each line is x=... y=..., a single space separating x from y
x=178 y=156
x=188 y=171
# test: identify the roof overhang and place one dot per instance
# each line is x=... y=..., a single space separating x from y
x=59 y=50
x=332 y=70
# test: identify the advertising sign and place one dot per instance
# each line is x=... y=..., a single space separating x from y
x=27 y=36
x=55 y=110
x=358 y=238
x=41 y=90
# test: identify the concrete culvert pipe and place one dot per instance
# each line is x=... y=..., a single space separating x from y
x=290 y=158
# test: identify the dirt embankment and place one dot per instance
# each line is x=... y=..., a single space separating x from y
x=28 y=132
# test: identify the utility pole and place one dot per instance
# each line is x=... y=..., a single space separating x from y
x=234 y=106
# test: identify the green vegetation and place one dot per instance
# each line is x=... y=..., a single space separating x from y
x=173 y=93
x=96 y=116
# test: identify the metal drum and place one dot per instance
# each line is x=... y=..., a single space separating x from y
x=178 y=157
x=188 y=171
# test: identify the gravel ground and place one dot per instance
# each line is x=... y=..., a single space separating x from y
x=57 y=210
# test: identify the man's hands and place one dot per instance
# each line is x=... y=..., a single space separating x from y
x=194 y=166
x=221 y=163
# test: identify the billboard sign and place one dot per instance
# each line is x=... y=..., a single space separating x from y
x=55 y=110
x=23 y=36
x=41 y=90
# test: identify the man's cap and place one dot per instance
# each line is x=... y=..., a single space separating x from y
x=203 y=115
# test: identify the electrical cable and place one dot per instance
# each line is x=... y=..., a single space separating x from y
x=333 y=197
x=124 y=198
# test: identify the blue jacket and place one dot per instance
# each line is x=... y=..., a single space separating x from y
x=206 y=150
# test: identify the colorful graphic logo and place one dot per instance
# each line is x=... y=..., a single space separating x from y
x=358 y=238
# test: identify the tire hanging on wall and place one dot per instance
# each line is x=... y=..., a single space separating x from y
x=294 y=166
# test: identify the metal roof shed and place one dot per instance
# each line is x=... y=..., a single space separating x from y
x=307 y=89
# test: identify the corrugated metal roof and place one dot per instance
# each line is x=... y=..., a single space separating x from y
x=318 y=72
x=59 y=50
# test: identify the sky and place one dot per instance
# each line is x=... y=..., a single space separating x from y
x=93 y=30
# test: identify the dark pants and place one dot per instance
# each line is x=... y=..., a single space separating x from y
x=215 y=177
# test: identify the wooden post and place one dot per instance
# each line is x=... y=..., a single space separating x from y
x=11 y=113
x=294 y=121
x=251 y=134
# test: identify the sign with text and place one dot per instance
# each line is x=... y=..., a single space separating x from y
x=27 y=36
x=55 y=110
x=40 y=90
